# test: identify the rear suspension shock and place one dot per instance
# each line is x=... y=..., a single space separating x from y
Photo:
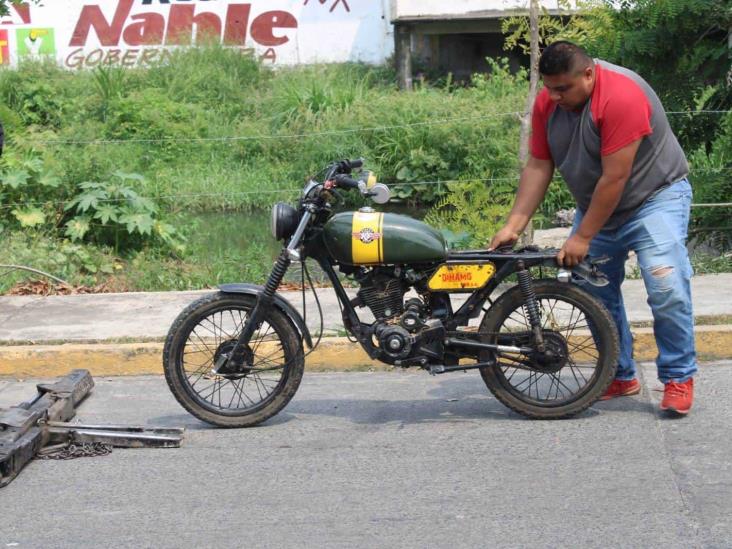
x=531 y=305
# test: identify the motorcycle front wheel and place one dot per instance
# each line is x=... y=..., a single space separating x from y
x=578 y=330
x=258 y=390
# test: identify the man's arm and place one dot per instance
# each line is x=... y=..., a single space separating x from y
x=616 y=170
x=534 y=181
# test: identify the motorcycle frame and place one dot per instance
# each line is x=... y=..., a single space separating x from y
x=506 y=264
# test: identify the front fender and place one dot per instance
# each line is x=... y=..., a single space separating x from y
x=280 y=302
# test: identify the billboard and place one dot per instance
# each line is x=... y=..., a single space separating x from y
x=4 y=48
x=87 y=33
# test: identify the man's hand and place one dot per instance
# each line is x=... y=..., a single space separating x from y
x=505 y=237
x=575 y=249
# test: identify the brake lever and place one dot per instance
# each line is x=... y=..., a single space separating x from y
x=589 y=270
x=340 y=199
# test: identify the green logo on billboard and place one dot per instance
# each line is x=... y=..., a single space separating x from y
x=35 y=42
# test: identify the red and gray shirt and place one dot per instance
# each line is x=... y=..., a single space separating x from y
x=621 y=109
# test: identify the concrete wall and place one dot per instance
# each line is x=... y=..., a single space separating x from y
x=403 y=9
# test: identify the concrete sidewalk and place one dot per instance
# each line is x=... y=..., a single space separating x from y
x=123 y=332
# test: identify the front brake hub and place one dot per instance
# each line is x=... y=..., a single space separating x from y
x=233 y=368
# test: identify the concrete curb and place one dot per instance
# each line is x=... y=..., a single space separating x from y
x=335 y=354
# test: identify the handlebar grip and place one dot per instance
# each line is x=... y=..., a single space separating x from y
x=346 y=182
x=346 y=166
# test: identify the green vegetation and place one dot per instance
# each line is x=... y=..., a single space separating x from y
x=122 y=159
x=115 y=176
x=4 y=4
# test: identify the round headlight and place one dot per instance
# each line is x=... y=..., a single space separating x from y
x=284 y=220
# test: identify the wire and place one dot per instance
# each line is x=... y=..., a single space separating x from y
x=700 y=112
x=317 y=302
x=311 y=134
x=273 y=136
x=161 y=197
x=11 y=268
x=712 y=205
x=296 y=191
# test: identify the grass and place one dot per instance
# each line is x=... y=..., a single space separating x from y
x=213 y=131
x=260 y=130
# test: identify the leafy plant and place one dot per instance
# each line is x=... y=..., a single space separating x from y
x=110 y=85
x=113 y=213
x=470 y=215
x=28 y=191
x=77 y=263
x=586 y=22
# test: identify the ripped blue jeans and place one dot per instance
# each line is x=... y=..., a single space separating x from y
x=657 y=234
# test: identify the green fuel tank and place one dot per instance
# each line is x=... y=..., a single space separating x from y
x=367 y=237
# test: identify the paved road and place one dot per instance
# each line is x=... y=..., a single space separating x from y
x=389 y=460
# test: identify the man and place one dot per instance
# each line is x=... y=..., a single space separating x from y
x=605 y=130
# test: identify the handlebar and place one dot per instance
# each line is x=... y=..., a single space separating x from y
x=347 y=166
x=346 y=182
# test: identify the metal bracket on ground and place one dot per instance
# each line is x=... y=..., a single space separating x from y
x=26 y=429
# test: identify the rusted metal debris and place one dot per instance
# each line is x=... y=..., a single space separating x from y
x=27 y=430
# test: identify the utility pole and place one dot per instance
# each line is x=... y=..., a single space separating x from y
x=528 y=236
x=403 y=55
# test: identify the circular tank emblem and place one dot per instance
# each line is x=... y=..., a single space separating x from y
x=366 y=235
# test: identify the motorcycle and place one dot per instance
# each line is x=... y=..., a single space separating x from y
x=544 y=346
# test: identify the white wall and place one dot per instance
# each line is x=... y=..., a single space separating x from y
x=426 y=8
x=137 y=32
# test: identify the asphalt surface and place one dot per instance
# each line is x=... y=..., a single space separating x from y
x=389 y=460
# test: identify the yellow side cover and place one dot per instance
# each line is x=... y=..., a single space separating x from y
x=461 y=277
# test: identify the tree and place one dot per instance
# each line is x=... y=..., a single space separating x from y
x=682 y=48
x=5 y=5
x=528 y=236
x=580 y=21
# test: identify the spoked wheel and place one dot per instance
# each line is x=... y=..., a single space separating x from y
x=582 y=344
x=238 y=395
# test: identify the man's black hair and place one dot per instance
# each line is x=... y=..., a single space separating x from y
x=563 y=57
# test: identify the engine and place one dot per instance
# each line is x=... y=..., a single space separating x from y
x=402 y=329
x=383 y=293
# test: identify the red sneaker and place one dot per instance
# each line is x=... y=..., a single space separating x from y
x=620 y=388
x=678 y=397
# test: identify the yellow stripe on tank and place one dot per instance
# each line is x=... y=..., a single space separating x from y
x=381 y=240
x=366 y=238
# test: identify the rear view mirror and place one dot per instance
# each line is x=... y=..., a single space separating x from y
x=380 y=193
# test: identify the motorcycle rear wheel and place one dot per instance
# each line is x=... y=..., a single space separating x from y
x=575 y=324
x=209 y=327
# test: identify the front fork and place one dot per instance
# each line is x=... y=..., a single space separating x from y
x=233 y=362
x=531 y=306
